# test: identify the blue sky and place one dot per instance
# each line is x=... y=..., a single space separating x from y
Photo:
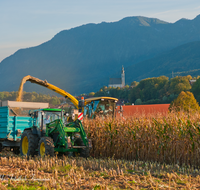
x=25 y=23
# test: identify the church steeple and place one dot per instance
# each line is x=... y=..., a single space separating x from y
x=123 y=76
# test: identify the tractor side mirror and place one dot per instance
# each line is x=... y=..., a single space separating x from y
x=73 y=116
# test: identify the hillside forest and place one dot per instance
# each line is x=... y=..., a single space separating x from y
x=156 y=90
x=85 y=57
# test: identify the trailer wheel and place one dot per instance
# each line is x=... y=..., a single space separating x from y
x=46 y=146
x=16 y=150
x=82 y=152
x=28 y=143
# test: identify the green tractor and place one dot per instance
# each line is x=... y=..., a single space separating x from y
x=50 y=132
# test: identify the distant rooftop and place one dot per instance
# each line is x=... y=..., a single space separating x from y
x=115 y=81
x=192 y=81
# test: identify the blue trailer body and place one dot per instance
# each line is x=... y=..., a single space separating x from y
x=11 y=127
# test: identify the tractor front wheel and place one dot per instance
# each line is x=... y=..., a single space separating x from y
x=46 y=146
x=28 y=143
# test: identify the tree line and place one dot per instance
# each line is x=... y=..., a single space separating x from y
x=154 y=90
x=33 y=97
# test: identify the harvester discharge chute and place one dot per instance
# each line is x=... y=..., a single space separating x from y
x=47 y=85
x=91 y=107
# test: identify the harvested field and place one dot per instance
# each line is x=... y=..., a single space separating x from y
x=78 y=173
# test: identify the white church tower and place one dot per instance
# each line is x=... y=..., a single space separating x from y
x=118 y=82
x=123 y=77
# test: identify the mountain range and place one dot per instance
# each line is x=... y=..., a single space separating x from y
x=82 y=59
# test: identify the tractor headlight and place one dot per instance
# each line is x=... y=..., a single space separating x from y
x=77 y=135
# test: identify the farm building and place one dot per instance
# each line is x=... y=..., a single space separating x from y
x=130 y=110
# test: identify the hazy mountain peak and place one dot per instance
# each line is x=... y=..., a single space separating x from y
x=185 y=21
x=142 y=21
x=197 y=17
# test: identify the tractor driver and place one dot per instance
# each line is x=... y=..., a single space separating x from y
x=108 y=109
x=47 y=119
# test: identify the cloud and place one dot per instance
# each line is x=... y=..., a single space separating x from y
x=196 y=8
x=17 y=45
x=174 y=15
x=167 y=12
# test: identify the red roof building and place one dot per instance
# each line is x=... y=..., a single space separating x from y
x=130 y=110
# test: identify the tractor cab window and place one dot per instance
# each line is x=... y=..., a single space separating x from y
x=109 y=109
x=52 y=116
x=39 y=119
x=89 y=109
x=101 y=108
x=47 y=117
x=105 y=108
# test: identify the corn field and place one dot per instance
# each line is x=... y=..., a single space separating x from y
x=173 y=138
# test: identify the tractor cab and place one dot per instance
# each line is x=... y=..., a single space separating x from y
x=42 y=117
x=100 y=106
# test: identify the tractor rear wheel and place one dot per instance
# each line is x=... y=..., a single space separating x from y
x=46 y=146
x=82 y=152
x=28 y=143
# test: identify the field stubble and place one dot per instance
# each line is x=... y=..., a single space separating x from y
x=78 y=173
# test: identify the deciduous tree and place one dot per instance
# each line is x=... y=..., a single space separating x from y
x=185 y=101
